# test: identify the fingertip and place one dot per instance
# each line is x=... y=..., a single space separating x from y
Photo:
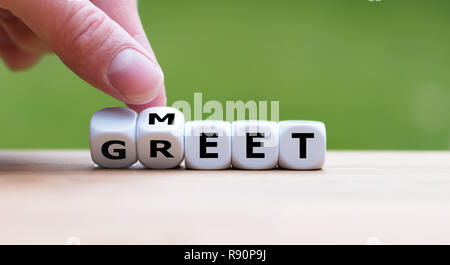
x=137 y=78
x=159 y=101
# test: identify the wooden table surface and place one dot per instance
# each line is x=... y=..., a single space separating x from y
x=59 y=197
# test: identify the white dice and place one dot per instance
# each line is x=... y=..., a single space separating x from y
x=254 y=144
x=302 y=145
x=160 y=137
x=113 y=137
x=208 y=144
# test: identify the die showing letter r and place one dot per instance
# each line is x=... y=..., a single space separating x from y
x=164 y=149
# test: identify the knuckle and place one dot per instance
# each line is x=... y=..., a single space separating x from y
x=84 y=30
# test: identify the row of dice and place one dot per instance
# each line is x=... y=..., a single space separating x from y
x=159 y=138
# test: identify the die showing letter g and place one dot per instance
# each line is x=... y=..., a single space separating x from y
x=120 y=152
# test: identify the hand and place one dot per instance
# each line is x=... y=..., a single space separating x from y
x=102 y=41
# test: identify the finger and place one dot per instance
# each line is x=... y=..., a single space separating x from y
x=21 y=35
x=160 y=100
x=4 y=38
x=15 y=58
x=125 y=13
x=93 y=46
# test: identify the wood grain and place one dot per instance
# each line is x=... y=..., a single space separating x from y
x=48 y=197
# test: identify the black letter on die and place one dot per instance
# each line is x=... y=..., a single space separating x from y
x=169 y=116
x=204 y=144
x=154 y=148
x=303 y=137
x=120 y=152
x=251 y=144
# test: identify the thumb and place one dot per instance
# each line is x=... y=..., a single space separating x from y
x=125 y=13
x=94 y=46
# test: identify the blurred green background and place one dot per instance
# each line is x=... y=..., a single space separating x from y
x=377 y=73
